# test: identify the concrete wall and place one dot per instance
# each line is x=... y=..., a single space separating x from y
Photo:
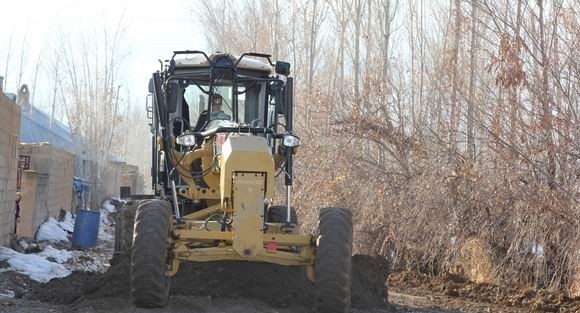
x=112 y=179
x=51 y=178
x=9 y=139
x=132 y=178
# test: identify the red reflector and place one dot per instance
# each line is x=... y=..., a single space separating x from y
x=272 y=247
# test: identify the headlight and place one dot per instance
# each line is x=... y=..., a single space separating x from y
x=187 y=140
x=291 y=141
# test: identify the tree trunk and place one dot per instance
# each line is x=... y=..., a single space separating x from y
x=545 y=99
x=357 y=27
x=472 y=68
x=454 y=88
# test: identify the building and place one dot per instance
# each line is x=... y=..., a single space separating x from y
x=9 y=139
x=40 y=157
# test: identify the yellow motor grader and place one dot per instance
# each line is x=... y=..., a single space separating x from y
x=221 y=135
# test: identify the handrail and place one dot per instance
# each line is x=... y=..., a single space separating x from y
x=241 y=129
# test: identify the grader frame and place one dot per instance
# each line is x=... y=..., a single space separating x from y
x=214 y=183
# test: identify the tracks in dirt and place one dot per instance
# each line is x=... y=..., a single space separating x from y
x=270 y=287
x=86 y=292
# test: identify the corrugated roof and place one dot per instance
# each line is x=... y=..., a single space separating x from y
x=36 y=127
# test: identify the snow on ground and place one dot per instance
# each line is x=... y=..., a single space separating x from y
x=35 y=266
x=6 y=294
x=106 y=229
x=68 y=224
x=60 y=256
x=107 y=205
x=51 y=231
x=97 y=258
x=56 y=263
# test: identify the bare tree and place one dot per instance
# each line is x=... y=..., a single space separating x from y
x=317 y=14
x=90 y=85
x=472 y=72
x=470 y=133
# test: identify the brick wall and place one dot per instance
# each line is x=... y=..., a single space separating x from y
x=51 y=177
x=9 y=139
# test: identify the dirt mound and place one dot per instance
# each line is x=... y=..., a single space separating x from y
x=369 y=281
x=278 y=286
x=63 y=291
x=113 y=283
x=16 y=283
x=408 y=279
x=455 y=286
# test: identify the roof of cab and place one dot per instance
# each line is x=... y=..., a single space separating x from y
x=199 y=61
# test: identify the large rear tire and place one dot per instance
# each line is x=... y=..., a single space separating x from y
x=149 y=285
x=333 y=262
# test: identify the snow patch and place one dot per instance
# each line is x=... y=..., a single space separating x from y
x=107 y=205
x=34 y=266
x=51 y=231
x=68 y=224
x=537 y=249
x=23 y=244
x=106 y=230
x=60 y=256
x=90 y=261
x=7 y=294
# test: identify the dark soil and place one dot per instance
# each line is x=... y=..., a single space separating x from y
x=453 y=286
x=18 y=283
x=63 y=291
x=275 y=285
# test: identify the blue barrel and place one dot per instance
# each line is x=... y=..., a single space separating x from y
x=86 y=229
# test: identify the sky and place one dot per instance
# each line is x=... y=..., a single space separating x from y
x=153 y=30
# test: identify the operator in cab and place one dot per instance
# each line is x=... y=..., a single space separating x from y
x=216 y=109
x=217 y=113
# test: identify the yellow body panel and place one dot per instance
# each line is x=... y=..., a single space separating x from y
x=246 y=180
x=242 y=153
x=240 y=181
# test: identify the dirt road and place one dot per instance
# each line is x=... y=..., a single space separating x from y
x=178 y=304
x=221 y=287
x=229 y=287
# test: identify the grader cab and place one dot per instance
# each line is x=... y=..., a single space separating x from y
x=222 y=134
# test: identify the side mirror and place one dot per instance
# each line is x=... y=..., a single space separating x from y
x=172 y=96
x=282 y=68
x=151 y=87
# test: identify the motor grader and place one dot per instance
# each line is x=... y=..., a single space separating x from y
x=223 y=139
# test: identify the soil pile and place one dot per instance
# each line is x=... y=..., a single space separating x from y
x=278 y=286
x=457 y=287
x=16 y=284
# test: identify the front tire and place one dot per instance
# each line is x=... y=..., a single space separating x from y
x=149 y=285
x=124 y=230
x=333 y=262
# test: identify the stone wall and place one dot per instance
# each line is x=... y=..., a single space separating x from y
x=9 y=139
x=50 y=175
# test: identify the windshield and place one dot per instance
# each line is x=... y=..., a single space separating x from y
x=222 y=105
